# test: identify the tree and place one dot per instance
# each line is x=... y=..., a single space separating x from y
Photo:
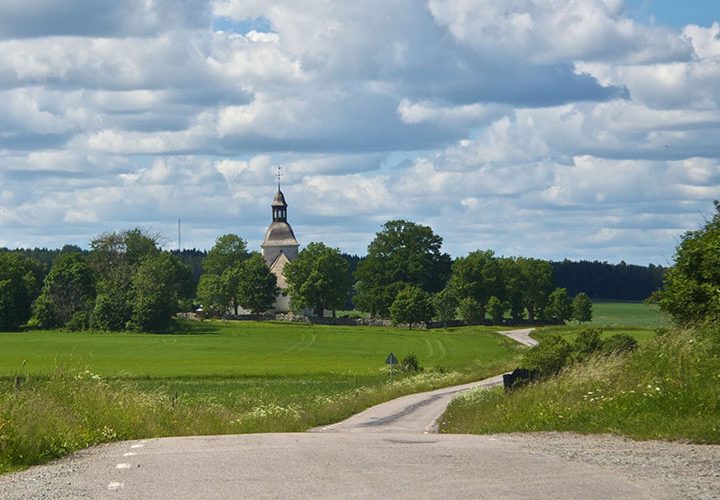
x=402 y=253
x=319 y=279
x=690 y=294
x=156 y=288
x=228 y=251
x=496 y=308
x=470 y=310
x=582 y=308
x=538 y=281
x=20 y=282
x=256 y=285
x=515 y=286
x=115 y=257
x=559 y=306
x=477 y=276
x=223 y=260
x=412 y=305
x=446 y=304
x=213 y=293
x=68 y=290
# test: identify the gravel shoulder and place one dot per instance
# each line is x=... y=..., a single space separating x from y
x=682 y=470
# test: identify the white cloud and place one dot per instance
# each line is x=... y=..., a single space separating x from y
x=537 y=127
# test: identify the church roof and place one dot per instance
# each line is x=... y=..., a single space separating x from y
x=279 y=200
x=279 y=233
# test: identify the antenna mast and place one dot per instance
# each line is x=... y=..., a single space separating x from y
x=179 y=238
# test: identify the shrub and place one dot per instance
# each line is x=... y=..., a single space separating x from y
x=410 y=363
x=550 y=356
x=587 y=342
x=618 y=344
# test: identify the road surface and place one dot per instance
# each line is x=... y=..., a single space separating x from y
x=387 y=451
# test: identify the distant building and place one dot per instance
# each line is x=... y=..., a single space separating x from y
x=279 y=248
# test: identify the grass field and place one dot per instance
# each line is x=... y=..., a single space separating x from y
x=248 y=349
x=607 y=313
x=78 y=389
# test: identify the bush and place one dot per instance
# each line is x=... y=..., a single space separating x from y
x=410 y=363
x=550 y=356
x=587 y=342
x=79 y=321
x=618 y=344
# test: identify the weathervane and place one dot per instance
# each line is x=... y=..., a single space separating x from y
x=278 y=174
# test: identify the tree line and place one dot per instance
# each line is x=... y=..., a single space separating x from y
x=125 y=281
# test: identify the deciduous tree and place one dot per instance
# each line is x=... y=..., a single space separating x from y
x=496 y=308
x=319 y=279
x=68 y=290
x=446 y=304
x=20 y=282
x=412 y=305
x=691 y=292
x=401 y=253
x=256 y=285
x=477 y=276
x=582 y=308
x=559 y=306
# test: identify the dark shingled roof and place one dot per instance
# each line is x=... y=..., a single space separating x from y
x=279 y=200
x=279 y=234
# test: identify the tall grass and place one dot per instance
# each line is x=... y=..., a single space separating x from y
x=46 y=418
x=668 y=389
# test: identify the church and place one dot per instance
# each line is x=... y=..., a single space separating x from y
x=279 y=247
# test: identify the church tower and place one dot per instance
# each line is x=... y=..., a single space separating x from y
x=279 y=237
x=279 y=247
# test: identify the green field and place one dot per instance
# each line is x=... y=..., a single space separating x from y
x=607 y=313
x=248 y=349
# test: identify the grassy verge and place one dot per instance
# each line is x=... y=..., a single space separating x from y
x=47 y=418
x=668 y=389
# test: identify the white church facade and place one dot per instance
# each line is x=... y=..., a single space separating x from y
x=280 y=247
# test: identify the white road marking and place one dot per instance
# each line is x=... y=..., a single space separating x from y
x=114 y=486
x=129 y=454
x=137 y=446
x=123 y=466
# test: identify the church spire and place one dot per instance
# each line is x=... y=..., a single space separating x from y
x=279 y=206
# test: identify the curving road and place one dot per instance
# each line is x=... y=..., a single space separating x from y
x=389 y=450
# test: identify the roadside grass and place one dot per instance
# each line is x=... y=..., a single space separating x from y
x=571 y=331
x=216 y=378
x=668 y=389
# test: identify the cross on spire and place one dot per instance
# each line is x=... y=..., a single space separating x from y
x=278 y=174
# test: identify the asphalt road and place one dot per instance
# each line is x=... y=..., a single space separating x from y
x=387 y=451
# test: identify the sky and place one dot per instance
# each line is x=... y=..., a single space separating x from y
x=583 y=129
